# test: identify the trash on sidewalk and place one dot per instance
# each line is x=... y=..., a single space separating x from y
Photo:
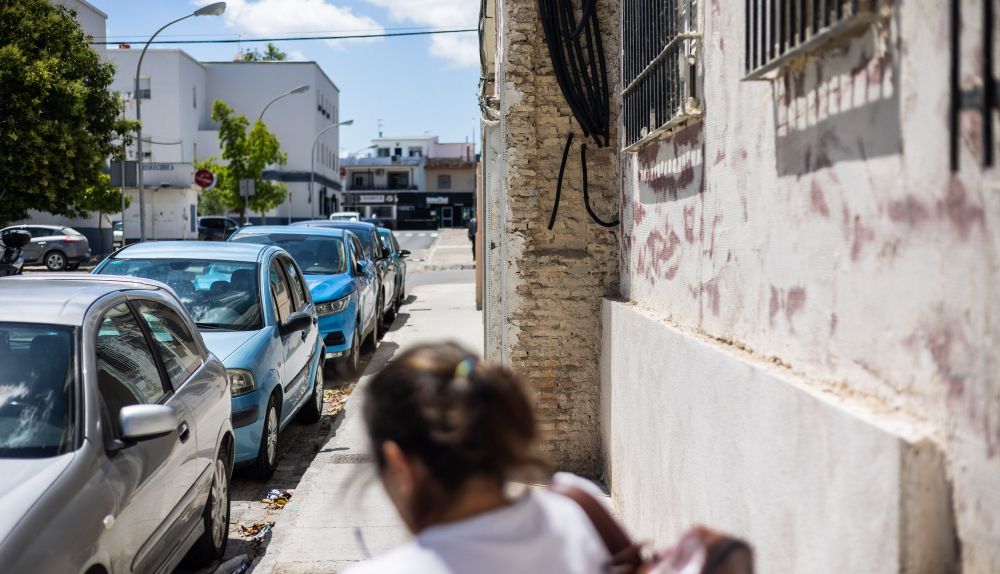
x=277 y=498
x=236 y=565
x=337 y=397
x=257 y=529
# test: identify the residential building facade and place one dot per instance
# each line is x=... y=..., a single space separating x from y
x=791 y=334
x=413 y=182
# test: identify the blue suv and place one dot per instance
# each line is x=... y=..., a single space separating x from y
x=342 y=280
x=254 y=311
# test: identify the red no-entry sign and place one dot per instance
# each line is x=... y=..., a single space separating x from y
x=204 y=178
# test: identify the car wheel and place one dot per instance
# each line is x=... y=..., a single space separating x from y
x=267 y=455
x=55 y=261
x=313 y=410
x=211 y=545
x=349 y=365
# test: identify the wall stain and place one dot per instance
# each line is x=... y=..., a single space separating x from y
x=959 y=210
x=860 y=235
x=908 y=210
x=817 y=200
x=689 y=223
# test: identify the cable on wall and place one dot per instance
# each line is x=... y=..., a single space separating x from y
x=578 y=62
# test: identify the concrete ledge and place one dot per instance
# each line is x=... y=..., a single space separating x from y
x=697 y=432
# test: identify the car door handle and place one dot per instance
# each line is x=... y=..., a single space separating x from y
x=183 y=432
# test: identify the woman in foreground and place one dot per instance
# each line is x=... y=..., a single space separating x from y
x=449 y=432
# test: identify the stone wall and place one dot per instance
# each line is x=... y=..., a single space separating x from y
x=552 y=282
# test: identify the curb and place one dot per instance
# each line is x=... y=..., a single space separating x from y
x=448 y=267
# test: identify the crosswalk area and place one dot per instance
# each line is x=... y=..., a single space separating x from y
x=416 y=233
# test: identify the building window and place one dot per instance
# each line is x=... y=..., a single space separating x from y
x=145 y=91
x=383 y=152
x=444 y=181
x=398 y=152
x=780 y=31
x=659 y=67
x=398 y=180
x=416 y=152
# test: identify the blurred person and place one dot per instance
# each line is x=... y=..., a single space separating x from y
x=473 y=226
x=449 y=433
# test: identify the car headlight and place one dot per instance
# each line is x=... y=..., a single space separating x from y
x=240 y=382
x=331 y=307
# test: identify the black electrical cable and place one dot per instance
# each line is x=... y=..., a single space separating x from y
x=586 y=193
x=562 y=169
x=580 y=67
x=294 y=38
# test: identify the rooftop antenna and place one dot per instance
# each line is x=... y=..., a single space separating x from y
x=380 y=127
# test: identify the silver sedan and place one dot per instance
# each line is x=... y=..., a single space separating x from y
x=116 y=445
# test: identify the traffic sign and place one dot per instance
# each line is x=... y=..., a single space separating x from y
x=204 y=179
x=248 y=188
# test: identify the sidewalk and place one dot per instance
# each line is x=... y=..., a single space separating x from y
x=339 y=512
x=452 y=251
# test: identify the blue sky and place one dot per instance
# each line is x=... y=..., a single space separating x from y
x=415 y=85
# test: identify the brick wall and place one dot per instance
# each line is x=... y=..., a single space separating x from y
x=553 y=281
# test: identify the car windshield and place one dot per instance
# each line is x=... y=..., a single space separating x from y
x=315 y=254
x=386 y=241
x=36 y=390
x=344 y=217
x=219 y=294
x=117 y=226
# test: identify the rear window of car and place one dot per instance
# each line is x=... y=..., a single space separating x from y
x=70 y=231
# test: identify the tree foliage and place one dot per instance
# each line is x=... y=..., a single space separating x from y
x=271 y=54
x=58 y=119
x=246 y=152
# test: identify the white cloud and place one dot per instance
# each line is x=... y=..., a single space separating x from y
x=296 y=56
x=459 y=50
x=295 y=17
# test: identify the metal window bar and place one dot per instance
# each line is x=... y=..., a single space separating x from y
x=657 y=66
x=982 y=98
x=780 y=30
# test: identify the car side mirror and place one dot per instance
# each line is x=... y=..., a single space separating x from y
x=359 y=267
x=404 y=252
x=297 y=321
x=143 y=422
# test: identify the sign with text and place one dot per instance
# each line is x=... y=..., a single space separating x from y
x=439 y=200
x=204 y=178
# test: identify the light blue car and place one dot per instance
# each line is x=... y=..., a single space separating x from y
x=254 y=311
x=342 y=280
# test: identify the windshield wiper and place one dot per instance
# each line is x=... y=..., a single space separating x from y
x=218 y=326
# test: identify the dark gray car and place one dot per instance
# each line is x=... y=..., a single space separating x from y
x=57 y=247
x=115 y=433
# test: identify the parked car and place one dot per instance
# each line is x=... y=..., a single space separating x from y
x=58 y=248
x=367 y=234
x=345 y=216
x=397 y=260
x=117 y=234
x=215 y=228
x=12 y=242
x=255 y=313
x=341 y=279
x=116 y=445
x=373 y=220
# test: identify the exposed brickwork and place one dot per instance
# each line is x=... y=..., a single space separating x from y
x=558 y=277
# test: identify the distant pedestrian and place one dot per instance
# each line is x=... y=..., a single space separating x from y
x=449 y=432
x=473 y=226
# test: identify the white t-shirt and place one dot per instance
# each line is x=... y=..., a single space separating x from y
x=540 y=532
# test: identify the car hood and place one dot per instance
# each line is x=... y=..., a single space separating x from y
x=225 y=343
x=329 y=287
x=22 y=482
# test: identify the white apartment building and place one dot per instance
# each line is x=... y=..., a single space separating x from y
x=413 y=182
x=177 y=93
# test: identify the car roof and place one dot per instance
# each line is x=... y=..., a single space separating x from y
x=20 y=225
x=334 y=224
x=61 y=298
x=200 y=250
x=292 y=230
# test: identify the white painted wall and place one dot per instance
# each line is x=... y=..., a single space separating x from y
x=813 y=221
x=92 y=20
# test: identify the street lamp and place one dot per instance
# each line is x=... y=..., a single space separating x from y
x=211 y=10
x=298 y=90
x=312 y=168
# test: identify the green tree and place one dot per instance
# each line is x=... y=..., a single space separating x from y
x=58 y=119
x=271 y=54
x=102 y=199
x=213 y=201
x=247 y=153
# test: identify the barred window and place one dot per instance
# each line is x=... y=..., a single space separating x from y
x=778 y=31
x=659 y=67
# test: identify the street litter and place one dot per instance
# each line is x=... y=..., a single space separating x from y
x=255 y=529
x=236 y=565
x=277 y=498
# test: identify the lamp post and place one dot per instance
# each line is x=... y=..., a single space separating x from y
x=312 y=168
x=211 y=10
x=301 y=89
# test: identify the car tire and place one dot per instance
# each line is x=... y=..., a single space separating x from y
x=313 y=410
x=348 y=366
x=372 y=343
x=55 y=261
x=211 y=545
x=267 y=455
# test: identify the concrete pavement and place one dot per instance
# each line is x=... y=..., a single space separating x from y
x=340 y=514
x=453 y=250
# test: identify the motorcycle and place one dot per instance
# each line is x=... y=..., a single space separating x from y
x=12 y=257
